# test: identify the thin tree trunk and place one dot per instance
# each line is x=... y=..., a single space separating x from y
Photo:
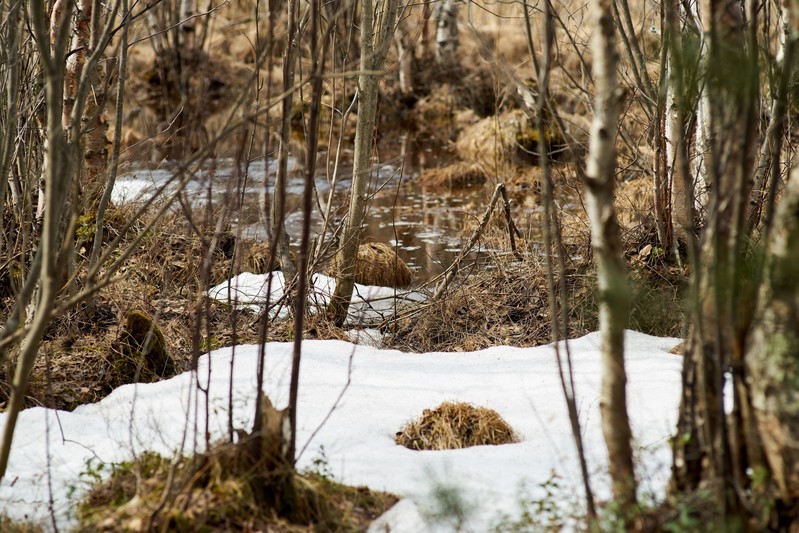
x=768 y=168
x=611 y=271
x=59 y=155
x=11 y=36
x=702 y=135
x=406 y=50
x=375 y=40
x=93 y=119
x=278 y=208
x=709 y=448
x=559 y=323
x=772 y=352
x=305 y=242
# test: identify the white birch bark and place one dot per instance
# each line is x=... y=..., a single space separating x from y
x=699 y=158
x=404 y=40
x=446 y=17
x=611 y=272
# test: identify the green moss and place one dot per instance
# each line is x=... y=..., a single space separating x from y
x=85 y=227
x=227 y=491
x=209 y=344
x=528 y=140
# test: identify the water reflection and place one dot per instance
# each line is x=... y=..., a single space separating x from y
x=424 y=226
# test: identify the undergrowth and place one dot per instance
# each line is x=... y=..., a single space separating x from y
x=222 y=490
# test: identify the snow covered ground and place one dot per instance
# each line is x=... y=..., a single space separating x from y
x=54 y=451
x=369 y=303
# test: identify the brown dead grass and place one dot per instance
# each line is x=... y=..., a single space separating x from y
x=504 y=304
x=452 y=426
x=8 y=525
x=378 y=264
x=161 y=279
x=455 y=176
x=222 y=490
x=635 y=203
x=491 y=143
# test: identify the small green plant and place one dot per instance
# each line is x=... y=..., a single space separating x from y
x=449 y=506
x=545 y=513
x=321 y=464
x=209 y=344
x=686 y=520
x=93 y=473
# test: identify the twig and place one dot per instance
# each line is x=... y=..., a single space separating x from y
x=449 y=275
x=513 y=231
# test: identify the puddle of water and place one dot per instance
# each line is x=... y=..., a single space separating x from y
x=424 y=226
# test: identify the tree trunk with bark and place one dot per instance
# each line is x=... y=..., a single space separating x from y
x=377 y=30
x=611 y=270
x=446 y=17
x=772 y=357
x=714 y=448
x=94 y=119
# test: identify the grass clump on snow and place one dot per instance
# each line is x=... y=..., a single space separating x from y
x=222 y=491
x=452 y=426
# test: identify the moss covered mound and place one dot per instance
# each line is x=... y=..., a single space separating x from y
x=452 y=426
x=222 y=490
x=140 y=354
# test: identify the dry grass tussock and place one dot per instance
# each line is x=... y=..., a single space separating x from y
x=452 y=426
x=222 y=490
x=378 y=264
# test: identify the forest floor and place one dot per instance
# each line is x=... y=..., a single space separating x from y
x=473 y=121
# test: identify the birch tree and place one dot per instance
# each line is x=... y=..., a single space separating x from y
x=378 y=23
x=446 y=18
x=772 y=357
x=611 y=272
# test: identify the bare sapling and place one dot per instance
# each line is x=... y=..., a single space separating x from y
x=378 y=23
x=278 y=207
x=554 y=248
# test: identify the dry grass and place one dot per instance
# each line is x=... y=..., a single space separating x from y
x=504 y=304
x=635 y=203
x=491 y=143
x=80 y=351
x=223 y=490
x=378 y=264
x=455 y=176
x=452 y=426
x=12 y=526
